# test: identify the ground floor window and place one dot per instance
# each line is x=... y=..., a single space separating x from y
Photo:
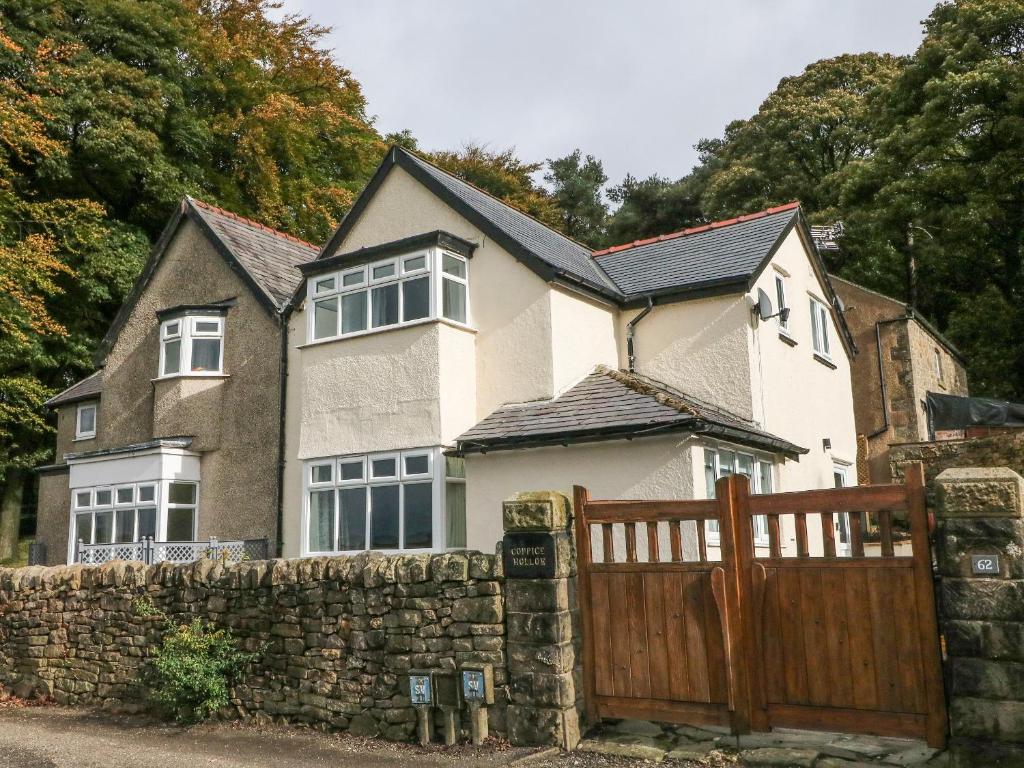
x=722 y=462
x=394 y=501
x=119 y=514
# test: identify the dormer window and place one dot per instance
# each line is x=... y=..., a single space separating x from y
x=414 y=287
x=192 y=345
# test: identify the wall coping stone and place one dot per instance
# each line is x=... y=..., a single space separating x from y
x=979 y=492
x=536 y=511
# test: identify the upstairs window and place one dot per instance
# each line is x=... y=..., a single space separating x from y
x=819 y=328
x=85 y=421
x=780 y=302
x=192 y=345
x=392 y=292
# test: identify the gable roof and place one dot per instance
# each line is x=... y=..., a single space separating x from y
x=88 y=388
x=550 y=254
x=725 y=253
x=266 y=260
x=609 y=405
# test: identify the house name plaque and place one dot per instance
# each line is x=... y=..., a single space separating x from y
x=529 y=555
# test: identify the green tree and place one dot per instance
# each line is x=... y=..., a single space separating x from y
x=936 y=212
x=577 y=183
x=652 y=206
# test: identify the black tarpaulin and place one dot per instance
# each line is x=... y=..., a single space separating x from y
x=955 y=412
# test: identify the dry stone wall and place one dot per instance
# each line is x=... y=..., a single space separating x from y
x=339 y=635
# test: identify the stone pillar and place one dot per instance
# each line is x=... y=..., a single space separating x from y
x=980 y=552
x=541 y=614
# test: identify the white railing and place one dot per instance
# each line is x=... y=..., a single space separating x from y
x=149 y=551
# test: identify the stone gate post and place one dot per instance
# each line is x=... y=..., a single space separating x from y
x=542 y=620
x=980 y=552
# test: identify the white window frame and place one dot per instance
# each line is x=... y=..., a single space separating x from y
x=780 y=298
x=434 y=475
x=938 y=364
x=81 y=434
x=93 y=508
x=167 y=506
x=432 y=269
x=712 y=533
x=186 y=332
x=820 y=341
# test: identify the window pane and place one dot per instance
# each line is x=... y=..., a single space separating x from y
x=205 y=355
x=327 y=284
x=352 y=470
x=454 y=300
x=454 y=466
x=353 y=312
x=147 y=523
x=182 y=493
x=104 y=527
x=325 y=319
x=453 y=266
x=125 y=495
x=384 y=517
x=172 y=329
x=385 y=305
x=417 y=465
x=353 y=278
x=321 y=521
x=172 y=357
x=353 y=519
x=82 y=499
x=824 y=330
x=125 y=528
x=815 y=329
x=416 y=262
x=745 y=466
x=726 y=463
x=416 y=299
x=383 y=468
x=455 y=514
x=418 y=515
x=147 y=492
x=765 y=471
x=709 y=472
x=103 y=498
x=322 y=473
x=87 y=419
x=180 y=524
x=84 y=525
x=383 y=270
x=207 y=326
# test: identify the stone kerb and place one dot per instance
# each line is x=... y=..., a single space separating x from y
x=542 y=620
x=980 y=557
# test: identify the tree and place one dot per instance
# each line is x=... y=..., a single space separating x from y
x=503 y=175
x=577 y=184
x=936 y=211
x=650 y=207
x=807 y=130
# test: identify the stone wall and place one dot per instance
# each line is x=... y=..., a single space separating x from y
x=1004 y=449
x=340 y=634
x=979 y=512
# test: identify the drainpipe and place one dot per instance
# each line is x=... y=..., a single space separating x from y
x=631 y=332
x=279 y=544
x=881 y=380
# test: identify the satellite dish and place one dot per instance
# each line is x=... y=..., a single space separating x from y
x=764 y=305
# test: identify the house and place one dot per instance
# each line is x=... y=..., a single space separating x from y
x=176 y=437
x=446 y=351
x=902 y=358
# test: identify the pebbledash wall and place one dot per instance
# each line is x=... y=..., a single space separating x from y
x=340 y=633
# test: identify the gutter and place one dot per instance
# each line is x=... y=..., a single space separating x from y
x=631 y=333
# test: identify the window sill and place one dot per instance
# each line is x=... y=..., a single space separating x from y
x=84 y=438
x=390 y=329
x=788 y=339
x=192 y=376
x=827 y=362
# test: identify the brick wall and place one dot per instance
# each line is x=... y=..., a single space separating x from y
x=340 y=633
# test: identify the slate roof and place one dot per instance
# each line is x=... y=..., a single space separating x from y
x=88 y=388
x=610 y=404
x=726 y=252
x=270 y=257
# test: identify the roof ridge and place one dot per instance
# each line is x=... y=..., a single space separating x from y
x=639 y=386
x=250 y=222
x=696 y=230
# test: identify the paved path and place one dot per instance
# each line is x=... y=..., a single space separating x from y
x=57 y=737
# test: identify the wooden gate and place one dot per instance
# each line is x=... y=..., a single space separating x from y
x=685 y=623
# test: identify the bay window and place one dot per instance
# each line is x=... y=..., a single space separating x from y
x=192 y=345
x=383 y=501
x=424 y=285
x=721 y=462
x=132 y=512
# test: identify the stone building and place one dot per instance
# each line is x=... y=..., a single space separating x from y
x=901 y=357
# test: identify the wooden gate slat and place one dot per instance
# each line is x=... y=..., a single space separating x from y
x=911 y=688
x=657 y=642
x=622 y=679
x=833 y=584
x=792 y=636
x=862 y=654
x=602 y=615
x=636 y=619
x=812 y=618
x=675 y=636
x=695 y=586
x=880 y=607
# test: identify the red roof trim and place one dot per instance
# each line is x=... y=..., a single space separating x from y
x=703 y=228
x=251 y=223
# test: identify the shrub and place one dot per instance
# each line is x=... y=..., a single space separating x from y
x=193 y=670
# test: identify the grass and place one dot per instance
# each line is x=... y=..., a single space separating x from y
x=20 y=558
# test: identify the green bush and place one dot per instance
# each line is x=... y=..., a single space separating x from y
x=193 y=669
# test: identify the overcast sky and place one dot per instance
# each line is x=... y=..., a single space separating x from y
x=634 y=83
